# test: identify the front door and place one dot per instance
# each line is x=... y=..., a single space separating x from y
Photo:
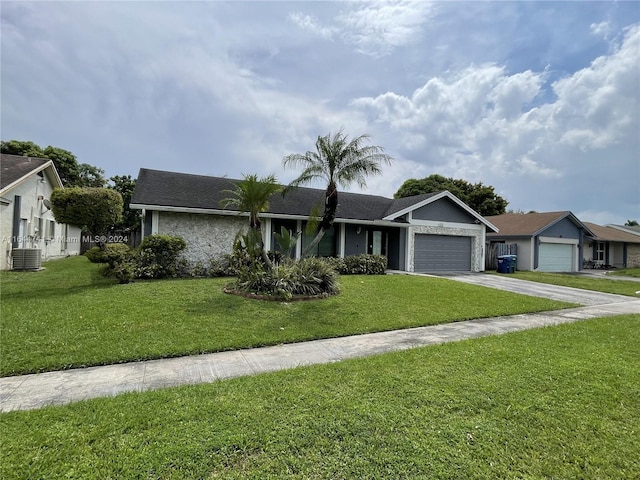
x=377 y=242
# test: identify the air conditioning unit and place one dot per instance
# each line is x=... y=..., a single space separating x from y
x=27 y=258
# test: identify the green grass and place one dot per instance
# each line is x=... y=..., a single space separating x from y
x=626 y=272
x=557 y=402
x=620 y=287
x=68 y=316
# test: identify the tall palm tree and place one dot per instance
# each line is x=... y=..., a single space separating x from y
x=338 y=162
x=252 y=196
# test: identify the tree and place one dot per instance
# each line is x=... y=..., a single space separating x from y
x=72 y=173
x=481 y=198
x=96 y=210
x=90 y=176
x=338 y=162
x=125 y=185
x=631 y=223
x=251 y=196
x=21 y=148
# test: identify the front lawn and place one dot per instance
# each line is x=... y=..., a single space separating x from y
x=619 y=287
x=626 y=272
x=556 y=402
x=69 y=316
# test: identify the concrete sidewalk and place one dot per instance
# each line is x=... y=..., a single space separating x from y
x=56 y=388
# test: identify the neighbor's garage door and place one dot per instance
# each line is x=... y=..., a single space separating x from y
x=437 y=253
x=555 y=257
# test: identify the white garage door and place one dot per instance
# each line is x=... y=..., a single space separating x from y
x=442 y=253
x=555 y=257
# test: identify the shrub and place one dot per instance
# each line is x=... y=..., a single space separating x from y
x=307 y=277
x=159 y=257
x=222 y=267
x=116 y=253
x=364 y=264
x=316 y=277
x=95 y=255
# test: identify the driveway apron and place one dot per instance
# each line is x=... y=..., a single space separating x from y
x=553 y=292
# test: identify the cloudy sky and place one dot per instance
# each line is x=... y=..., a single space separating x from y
x=539 y=99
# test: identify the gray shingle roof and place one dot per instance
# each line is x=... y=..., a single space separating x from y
x=14 y=167
x=170 y=189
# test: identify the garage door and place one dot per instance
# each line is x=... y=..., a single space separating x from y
x=438 y=253
x=555 y=257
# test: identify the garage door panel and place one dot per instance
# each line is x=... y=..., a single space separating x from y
x=555 y=257
x=434 y=253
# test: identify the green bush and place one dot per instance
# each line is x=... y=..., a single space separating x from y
x=95 y=255
x=116 y=253
x=307 y=277
x=159 y=257
x=363 y=264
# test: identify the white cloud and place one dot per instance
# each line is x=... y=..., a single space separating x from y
x=311 y=24
x=487 y=114
x=378 y=27
x=374 y=28
x=602 y=29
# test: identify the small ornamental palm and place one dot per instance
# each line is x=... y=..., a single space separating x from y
x=252 y=196
x=339 y=162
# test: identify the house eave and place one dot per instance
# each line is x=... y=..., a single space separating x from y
x=278 y=216
x=53 y=174
x=450 y=196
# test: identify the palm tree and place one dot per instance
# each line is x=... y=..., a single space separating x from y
x=339 y=162
x=252 y=196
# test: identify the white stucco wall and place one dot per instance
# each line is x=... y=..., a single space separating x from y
x=476 y=232
x=207 y=236
x=53 y=244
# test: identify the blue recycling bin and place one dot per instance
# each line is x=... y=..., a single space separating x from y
x=507 y=263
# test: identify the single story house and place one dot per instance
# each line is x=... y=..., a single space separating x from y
x=432 y=232
x=547 y=242
x=30 y=233
x=611 y=247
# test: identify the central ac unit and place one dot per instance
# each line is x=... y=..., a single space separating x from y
x=27 y=258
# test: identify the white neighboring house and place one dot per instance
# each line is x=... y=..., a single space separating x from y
x=28 y=230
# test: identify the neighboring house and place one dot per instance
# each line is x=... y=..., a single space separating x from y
x=612 y=247
x=433 y=232
x=547 y=242
x=29 y=232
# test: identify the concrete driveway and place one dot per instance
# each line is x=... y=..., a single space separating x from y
x=535 y=289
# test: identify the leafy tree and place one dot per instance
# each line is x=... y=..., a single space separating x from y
x=252 y=195
x=338 y=162
x=482 y=198
x=125 y=185
x=90 y=176
x=72 y=173
x=94 y=209
x=631 y=223
x=66 y=164
x=21 y=148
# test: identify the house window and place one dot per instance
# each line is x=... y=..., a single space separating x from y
x=51 y=229
x=40 y=223
x=599 y=252
x=277 y=225
x=22 y=232
x=377 y=242
x=326 y=247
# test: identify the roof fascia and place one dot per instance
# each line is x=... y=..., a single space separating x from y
x=435 y=198
x=211 y=211
x=26 y=176
x=623 y=229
